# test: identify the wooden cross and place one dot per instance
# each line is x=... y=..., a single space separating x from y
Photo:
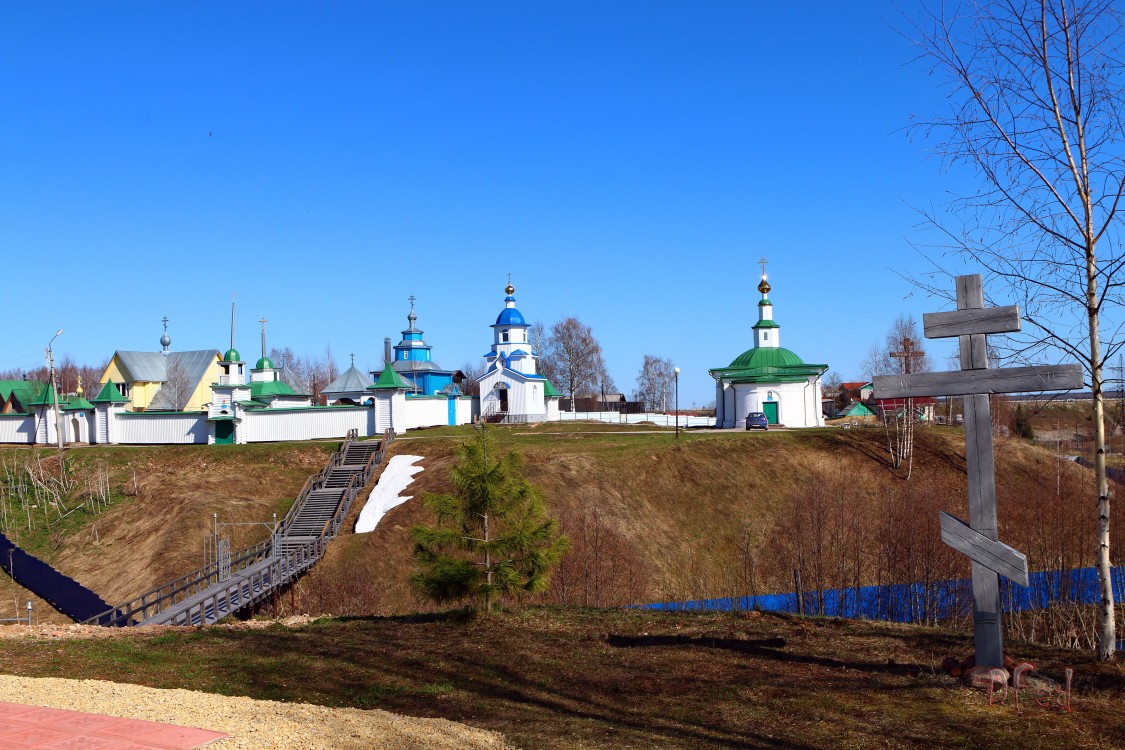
x=978 y=539
x=908 y=353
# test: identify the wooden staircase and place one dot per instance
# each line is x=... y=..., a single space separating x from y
x=257 y=573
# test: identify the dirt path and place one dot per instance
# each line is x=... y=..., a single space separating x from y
x=252 y=724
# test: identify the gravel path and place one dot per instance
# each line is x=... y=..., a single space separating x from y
x=252 y=724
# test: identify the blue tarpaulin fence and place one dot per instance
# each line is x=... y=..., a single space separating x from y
x=920 y=602
x=63 y=593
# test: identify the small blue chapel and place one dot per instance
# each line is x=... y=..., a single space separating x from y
x=412 y=360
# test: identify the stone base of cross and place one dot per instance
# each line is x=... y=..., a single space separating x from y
x=978 y=539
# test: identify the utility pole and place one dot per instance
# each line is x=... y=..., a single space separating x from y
x=53 y=385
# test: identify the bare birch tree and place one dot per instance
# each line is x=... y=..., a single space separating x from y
x=1035 y=88
x=575 y=356
x=655 y=383
x=177 y=387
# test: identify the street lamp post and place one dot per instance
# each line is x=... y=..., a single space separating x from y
x=54 y=388
x=677 y=403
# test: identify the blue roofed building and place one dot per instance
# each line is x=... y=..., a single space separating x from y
x=511 y=389
x=413 y=361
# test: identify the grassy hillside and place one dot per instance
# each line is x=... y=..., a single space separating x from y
x=158 y=506
x=651 y=517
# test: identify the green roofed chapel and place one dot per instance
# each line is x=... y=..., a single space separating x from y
x=768 y=379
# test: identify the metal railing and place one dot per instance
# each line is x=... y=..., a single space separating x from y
x=21 y=620
x=254 y=572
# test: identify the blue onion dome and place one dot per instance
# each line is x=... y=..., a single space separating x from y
x=510 y=316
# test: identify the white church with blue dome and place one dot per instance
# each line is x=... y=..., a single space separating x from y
x=768 y=378
x=512 y=390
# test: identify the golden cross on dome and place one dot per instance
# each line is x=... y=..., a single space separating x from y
x=763 y=263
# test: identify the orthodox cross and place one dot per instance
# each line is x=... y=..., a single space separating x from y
x=762 y=262
x=908 y=354
x=164 y=320
x=978 y=539
x=411 y=298
x=353 y=360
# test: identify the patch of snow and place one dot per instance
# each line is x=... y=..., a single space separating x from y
x=395 y=478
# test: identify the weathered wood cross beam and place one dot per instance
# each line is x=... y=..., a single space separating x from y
x=908 y=354
x=978 y=539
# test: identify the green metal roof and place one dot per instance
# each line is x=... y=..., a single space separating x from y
x=26 y=390
x=765 y=301
x=390 y=379
x=767 y=356
x=270 y=388
x=768 y=365
x=46 y=398
x=232 y=355
x=766 y=324
x=78 y=403
x=549 y=390
x=252 y=405
x=110 y=395
x=264 y=364
x=860 y=409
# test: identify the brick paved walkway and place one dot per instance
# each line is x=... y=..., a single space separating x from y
x=54 y=729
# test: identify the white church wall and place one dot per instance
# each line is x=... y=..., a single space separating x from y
x=466 y=410
x=17 y=428
x=76 y=426
x=730 y=412
x=140 y=428
x=426 y=411
x=274 y=425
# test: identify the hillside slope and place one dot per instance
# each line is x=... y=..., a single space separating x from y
x=649 y=517
x=715 y=514
x=161 y=503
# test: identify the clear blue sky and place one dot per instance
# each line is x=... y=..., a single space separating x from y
x=626 y=164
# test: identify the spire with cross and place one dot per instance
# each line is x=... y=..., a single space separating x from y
x=762 y=262
x=263 y=321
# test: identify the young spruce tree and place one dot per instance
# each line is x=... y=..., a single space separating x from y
x=492 y=537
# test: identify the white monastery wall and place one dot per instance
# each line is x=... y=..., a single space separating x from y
x=139 y=429
x=273 y=425
x=17 y=428
x=425 y=411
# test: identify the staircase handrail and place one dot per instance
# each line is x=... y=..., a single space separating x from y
x=310 y=485
x=281 y=569
x=332 y=525
x=169 y=594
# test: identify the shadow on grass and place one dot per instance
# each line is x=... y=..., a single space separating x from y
x=766 y=647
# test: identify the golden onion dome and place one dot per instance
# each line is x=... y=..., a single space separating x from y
x=764 y=287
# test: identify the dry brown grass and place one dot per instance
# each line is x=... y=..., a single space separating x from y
x=164 y=501
x=703 y=517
